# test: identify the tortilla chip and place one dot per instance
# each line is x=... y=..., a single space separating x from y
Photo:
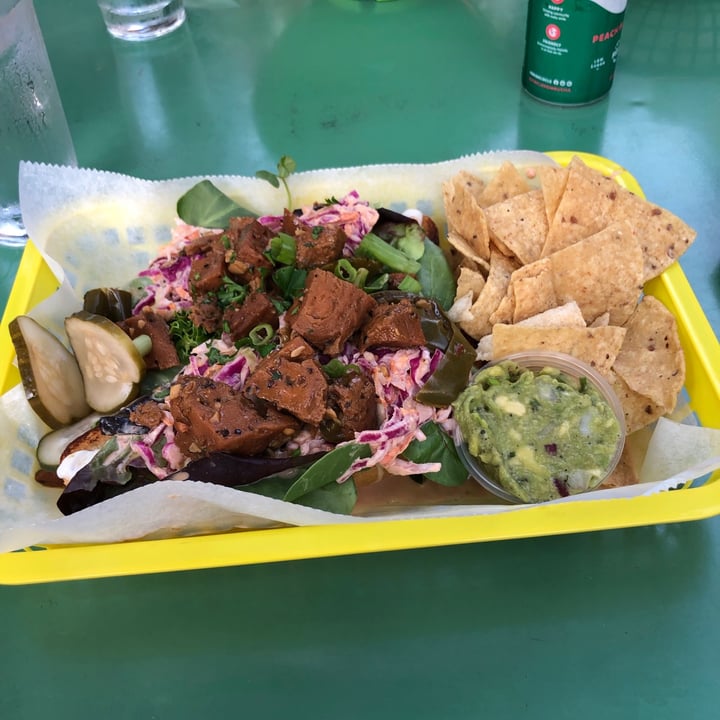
x=552 y=182
x=504 y=311
x=484 y=349
x=663 y=237
x=598 y=347
x=624 y=472
x=506 y=183
x=639 y=410
x=466 y=262
x=473 y=184
x=567 y=315
x=465 y=218
x=500 y=246
x=467 y=252
x=469 y=286
x=591 y=201
x=470 y=281
x=533 y=290
x=494 y=290
x=652 y=362
x=601 y=320
x=602 y=273
x=584 y=208
x=520 y=224
x=459 y=311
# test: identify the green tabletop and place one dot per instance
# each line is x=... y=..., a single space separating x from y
x=613 y=624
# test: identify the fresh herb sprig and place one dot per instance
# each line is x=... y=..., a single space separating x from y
x=285 y=167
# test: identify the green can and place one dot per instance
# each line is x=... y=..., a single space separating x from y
x=571 y=49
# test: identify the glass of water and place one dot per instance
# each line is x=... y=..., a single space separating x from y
x=32 y=122
x=141 y=19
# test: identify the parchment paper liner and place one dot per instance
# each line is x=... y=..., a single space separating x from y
x=96 y=229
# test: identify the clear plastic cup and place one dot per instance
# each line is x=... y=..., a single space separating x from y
x=571 y=368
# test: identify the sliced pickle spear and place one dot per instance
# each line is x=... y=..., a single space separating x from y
x=113 y=303
x=52 y=445
x=50 y=374
x=110 y=362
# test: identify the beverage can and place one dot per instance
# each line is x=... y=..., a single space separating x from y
x=571 y=49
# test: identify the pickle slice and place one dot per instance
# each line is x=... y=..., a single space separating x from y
x=110 y=362
x=50 y=374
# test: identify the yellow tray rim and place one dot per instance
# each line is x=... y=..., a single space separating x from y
x=76 y=562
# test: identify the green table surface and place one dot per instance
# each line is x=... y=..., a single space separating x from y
x=612 y=624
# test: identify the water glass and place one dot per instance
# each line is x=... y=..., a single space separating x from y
x=32 y=121
x=141 y=19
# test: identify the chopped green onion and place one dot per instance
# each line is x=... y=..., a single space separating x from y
x=345 y=270
x=361 y=277
x=409 y=284
x=412 y=242
x=283 y=249
x=375 y=247
x=261 y=334
x=378 y=283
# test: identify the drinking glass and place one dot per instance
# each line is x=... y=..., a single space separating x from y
x=32 y=121
x=141 y=19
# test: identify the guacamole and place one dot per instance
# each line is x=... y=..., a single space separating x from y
x=540 y=434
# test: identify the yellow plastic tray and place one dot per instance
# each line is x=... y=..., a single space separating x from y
x=35 y=282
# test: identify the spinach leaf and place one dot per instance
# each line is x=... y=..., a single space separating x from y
x=205 y=205
x=435 y=275
x=333 y=497
x=438 y=446
x=235 y=470
x=327 y=469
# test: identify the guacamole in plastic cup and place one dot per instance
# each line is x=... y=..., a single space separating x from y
x=537 y=426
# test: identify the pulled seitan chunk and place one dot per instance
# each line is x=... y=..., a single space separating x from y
x=246 y=241
x=201 y=244
x=206 y=313
x=208 y=269
x=147 y=413
x=212 y=417
x=163 y=354
x=257 y=309
x=330 y=311
x=317 y=246
x=92 y=439
x=291 y=380
x=393 y=325
x=352 y=407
